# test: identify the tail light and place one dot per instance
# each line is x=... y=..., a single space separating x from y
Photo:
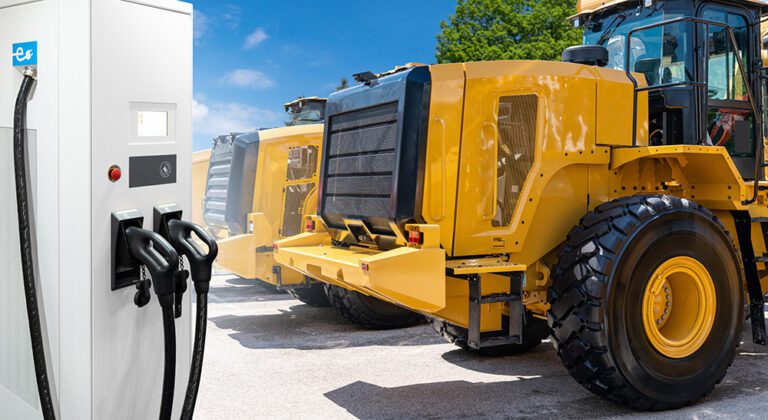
x=415 y=237
x=310 y=225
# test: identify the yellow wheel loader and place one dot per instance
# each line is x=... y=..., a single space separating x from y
x=615 y=200
x=259 y=187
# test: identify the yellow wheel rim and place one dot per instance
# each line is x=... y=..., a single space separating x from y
x=679 y=306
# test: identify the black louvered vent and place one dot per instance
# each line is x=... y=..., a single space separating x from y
x=361 y=161
x=215 y=200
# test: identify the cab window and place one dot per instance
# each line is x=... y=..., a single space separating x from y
x=730 y=116
x=660 y=54
x=725 y=79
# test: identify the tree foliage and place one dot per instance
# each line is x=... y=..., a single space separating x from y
x=482 y=30
x=343 y=84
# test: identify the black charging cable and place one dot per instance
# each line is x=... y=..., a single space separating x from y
x=26 y=244
x=162 y=261
x=201 y=268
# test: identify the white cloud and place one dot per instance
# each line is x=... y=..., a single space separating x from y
x=200 y=111
x=231 y=16
x=214 y=119
x=255 y=38
x=247 y=78
x=200 y=23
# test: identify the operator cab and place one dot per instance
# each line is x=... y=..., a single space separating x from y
x=699 y=77
x=306 y=111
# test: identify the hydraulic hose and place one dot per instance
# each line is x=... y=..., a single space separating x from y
x=26 y=245
x=198 y=352
x=169 y=372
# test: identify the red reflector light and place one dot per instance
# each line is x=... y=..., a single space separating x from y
x=364 y=266
x=310 y=225
x=275 y=247
x=414 y=237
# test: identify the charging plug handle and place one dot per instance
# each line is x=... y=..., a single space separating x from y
x=159 y=257
x=201 y=264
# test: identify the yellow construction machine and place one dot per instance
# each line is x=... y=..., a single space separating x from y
x=259 y=187
x=616 y=200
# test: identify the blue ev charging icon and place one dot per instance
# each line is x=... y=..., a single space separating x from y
x=24 y=54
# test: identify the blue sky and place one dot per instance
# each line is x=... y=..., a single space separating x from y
x=253 y=56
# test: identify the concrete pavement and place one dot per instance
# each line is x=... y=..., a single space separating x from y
x=270 y=356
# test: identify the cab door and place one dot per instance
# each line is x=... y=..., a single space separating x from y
x=731 y=121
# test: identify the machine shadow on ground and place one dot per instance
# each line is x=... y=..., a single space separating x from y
x=298 y=326
x=239 y=290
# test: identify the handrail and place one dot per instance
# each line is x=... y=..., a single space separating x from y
x=759 y=164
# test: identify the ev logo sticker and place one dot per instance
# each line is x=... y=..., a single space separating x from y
x=166 y=169
x=24 y=54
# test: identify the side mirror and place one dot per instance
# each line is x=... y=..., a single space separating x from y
x=591 y=55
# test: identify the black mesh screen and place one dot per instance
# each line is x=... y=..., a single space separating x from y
x=361 y=161
x=517 y=143
x=295 y=196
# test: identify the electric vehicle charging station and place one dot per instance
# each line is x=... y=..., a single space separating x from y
x=108 y=134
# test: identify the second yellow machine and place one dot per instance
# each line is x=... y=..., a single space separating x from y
x=259 y=187
x=617 y=198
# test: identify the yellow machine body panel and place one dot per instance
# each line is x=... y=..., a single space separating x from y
x=285 y=191
x=764 y=35
x=569 y=117
x=200 y=162
x=443 y=143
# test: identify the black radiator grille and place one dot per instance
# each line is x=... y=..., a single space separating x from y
x=361 y=161
x=215 y=200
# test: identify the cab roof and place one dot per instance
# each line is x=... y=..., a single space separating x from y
x=301 y=101
x=585 y=7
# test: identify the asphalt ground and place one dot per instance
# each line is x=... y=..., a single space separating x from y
x=269 y=356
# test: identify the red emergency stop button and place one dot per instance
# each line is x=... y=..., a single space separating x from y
x=114 y=173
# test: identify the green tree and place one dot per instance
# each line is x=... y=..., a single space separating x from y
x=482 y=30
x=343 y=84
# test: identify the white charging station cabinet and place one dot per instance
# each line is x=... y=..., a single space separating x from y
x=114 y=88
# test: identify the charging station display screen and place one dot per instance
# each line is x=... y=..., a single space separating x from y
x=152 y=123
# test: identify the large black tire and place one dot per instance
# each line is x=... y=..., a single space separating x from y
x=369 y=312
x=598 y=288
x=314 y=295
x=534 y=331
